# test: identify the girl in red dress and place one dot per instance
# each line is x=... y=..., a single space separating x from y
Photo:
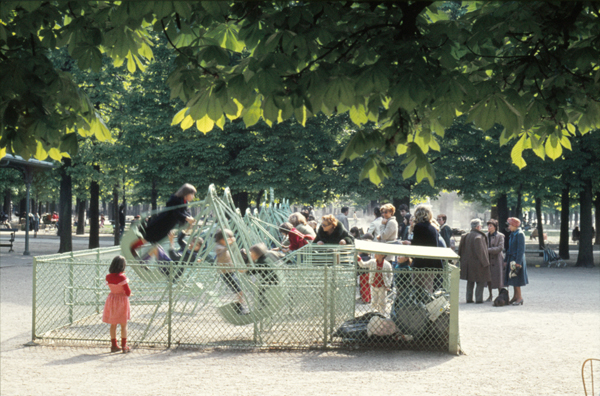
x=116 y=308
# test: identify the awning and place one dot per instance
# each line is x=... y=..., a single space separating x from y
x=394 y=249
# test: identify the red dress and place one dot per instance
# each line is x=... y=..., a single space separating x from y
x=116 y=308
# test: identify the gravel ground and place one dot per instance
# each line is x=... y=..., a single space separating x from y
x=537 y=348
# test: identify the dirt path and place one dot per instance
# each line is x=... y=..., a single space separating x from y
x=534 y=349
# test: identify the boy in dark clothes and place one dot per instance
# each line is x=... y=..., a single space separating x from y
x=263 y=259
x=159 y=227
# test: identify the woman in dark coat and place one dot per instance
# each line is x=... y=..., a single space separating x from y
x=159 y=227
x=332 y=232
x=497 y=265
x=425 y=235
x=516 y=253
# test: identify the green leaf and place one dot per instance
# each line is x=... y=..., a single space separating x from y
x=130 y=63
x=517 y=153
x=566 y=143
x=179 y=116
x=205 y=124
x=553 y=147
x=537 y=147
x=410 y=169
x=251 y=115
x=69 y=143
x=214 y=109
x=187 y=122
x=301 y=114
x=358 y=115
x=40 y=153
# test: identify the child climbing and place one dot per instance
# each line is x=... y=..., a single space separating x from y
x=228 y=274
x=116 y=309
x=159 y=227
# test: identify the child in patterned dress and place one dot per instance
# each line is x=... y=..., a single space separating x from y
x=116 y=309
x=380 y=279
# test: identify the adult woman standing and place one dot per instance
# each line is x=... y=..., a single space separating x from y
x=425 y=234
x=388 y=230
x=332 y=232
x=495 y=247
x=516 y=253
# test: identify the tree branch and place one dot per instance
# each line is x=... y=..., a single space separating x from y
x=206 y=71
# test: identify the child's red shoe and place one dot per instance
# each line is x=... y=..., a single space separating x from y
x=115 y=349
x=126 y=349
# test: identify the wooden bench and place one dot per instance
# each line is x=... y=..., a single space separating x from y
x=8 y=243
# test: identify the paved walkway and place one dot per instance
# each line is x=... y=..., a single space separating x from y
x=534 y=349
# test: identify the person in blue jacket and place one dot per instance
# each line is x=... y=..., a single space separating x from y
x=516 y=274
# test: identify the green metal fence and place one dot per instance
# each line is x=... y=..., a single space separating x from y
x=305 y=300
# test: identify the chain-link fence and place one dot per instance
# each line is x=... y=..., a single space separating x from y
x=312 y=298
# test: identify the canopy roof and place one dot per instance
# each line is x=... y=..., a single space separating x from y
x=14 y=161
x=406 y=250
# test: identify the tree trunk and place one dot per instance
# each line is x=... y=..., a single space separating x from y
x=519 y=209
x=115 y=214
x=94 y=241
x=7 y=206
x=154 y=196
x=585 y=258
x=124 y=209
x=406 y=199
x=240 y=200
x=540 y=226
x=563 y=246
x=597 y=211
x=259 y=197
x=80 y=217
x=64 y=209
x=502 y=205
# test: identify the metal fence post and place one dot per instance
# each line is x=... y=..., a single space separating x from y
x=71 y=284
x=334 y=286
x=453 y=336
x=169 y=312
x=325 y=310
x=34 y=308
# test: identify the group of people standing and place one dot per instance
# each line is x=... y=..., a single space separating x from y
x=483 y=264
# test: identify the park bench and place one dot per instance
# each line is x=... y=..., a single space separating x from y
x=9 y=242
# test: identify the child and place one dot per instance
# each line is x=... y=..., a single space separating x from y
x=381 y=282
x=159 y=227
x=263 y=259
x=116 y=308
x=365 y=289
x=224 y=260
x=296 y=238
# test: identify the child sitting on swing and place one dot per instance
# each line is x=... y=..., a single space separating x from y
x=228 y=274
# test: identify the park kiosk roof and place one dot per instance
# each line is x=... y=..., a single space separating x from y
x=27 y=168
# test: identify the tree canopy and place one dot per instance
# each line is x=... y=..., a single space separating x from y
x=408 y=67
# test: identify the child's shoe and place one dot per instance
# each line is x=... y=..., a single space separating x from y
x=126 y=349
x=114 y=347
